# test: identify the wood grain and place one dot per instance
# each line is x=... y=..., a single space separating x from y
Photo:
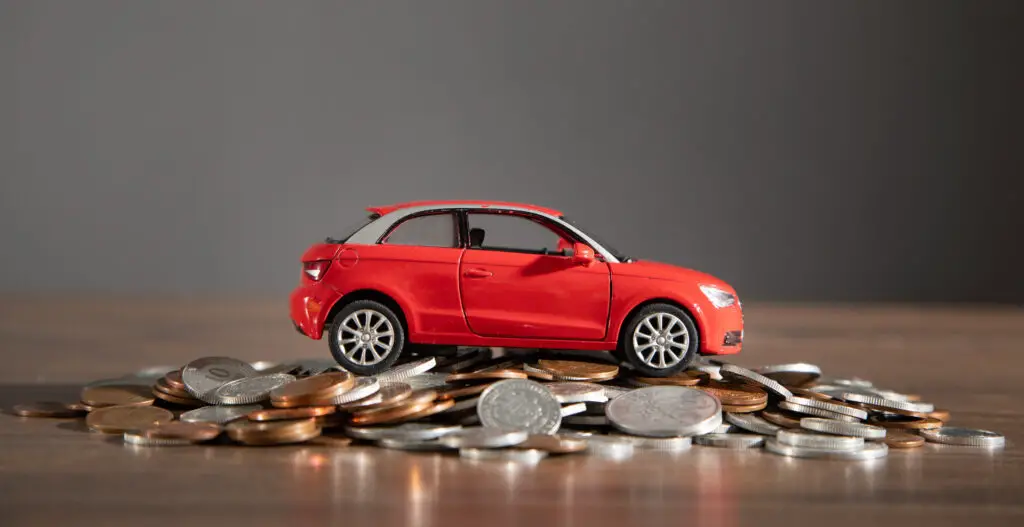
x=968 y=359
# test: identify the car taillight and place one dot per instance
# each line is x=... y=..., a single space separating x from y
x=315 y=270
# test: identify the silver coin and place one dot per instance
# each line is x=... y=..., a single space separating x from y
x=713 y=370
x=517 y=455
x=427 y=381
x=753 y=423
x=249 y=390
x=484 y=437
x=575 y=434
x=521 y=404
x=133 y=438
x=665 y=411
x=577 y=392
x=418 y=445
x=723 y=428
x=363 y=388
x=842 y=428
x=868 y=451
x=219 y=414
x=816 y=412
x=586 y=420
x=263 y=365
x=665 y=444
x=796 y=374
x=203 y=376
x=906 y=406
x=831 y=407
x=853 y=382
x=808 y=439
x=736 y=373
x=612 y=392
x=954 y=435
x=405 y=432
x=730 y=440
x=609 y=447
x=573 y=409
x=409 y=369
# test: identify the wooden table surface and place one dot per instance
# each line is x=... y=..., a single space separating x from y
x=967 y=359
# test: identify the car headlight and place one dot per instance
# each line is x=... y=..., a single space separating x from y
x=718 y=297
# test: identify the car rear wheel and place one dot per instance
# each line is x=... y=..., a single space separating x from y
x=660 y=340
x=366 y=337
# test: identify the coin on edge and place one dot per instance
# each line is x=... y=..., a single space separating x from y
x=202 y=376
x=520 y=404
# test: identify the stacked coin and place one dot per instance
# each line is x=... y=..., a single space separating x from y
x=487 y=406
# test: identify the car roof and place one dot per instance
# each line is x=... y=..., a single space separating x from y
x=385 y=209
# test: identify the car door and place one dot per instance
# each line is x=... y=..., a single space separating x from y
x=515 y=282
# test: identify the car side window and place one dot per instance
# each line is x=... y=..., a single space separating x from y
x=432 y=230
x=513 y=233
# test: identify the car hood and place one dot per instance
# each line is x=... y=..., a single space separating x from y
x=663 y=271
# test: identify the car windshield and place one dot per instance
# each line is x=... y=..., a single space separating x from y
x=348 y=232
x=616 y=253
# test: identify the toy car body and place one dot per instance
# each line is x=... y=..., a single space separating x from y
x=498 y=274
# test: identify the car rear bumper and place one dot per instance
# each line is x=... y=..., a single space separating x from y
x=723 y=331
x=309 y=306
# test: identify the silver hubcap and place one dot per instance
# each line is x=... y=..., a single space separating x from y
x=366 y=337
x=661 y=340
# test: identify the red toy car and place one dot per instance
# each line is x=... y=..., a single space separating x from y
x=474 y=273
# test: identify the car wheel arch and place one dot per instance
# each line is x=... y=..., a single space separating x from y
x=693 y=314
x=368 y=294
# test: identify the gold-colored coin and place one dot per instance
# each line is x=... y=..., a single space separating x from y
x=162 y=386
x=941 y=415
x=554 y=444
x=196 y=432
x=435 y=408
x=735 y=394
x=571 y=370
x=274 y=432
x=486 y=376
x=684 y=378
x=896 y=439
x=466 y=391
x=332 y=441
x=174 y=399
x=390 y=415
x=173 y=379
x=117 y=395
x=392 y=394
x=304 y=392
x=284 y=414
x=782 y=418
x=48 y=409
x=417 y=397
x=744 y=409
x=905 y=422
x=121 y=419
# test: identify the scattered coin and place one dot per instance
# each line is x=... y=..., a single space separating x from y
x=117 y=395
x=610 y=447
x=520 y=404
x=742 y=375
x=391 y=415
x=282 y=414
x=665 y=444
x=808 y=439
x=744 y=409
x=782 y=418
x=553 y=444
x=330 y=441
x=586 y=420
x=816 y=412
x=48 y=409
x=435 y=407
x=174 y=399
x=364 y=387
x=489 y=375
x=730 y=440
x=484 y=437
x=274 y=432
x=121 y=419
x=406 y=431
x=753 y=423
x=685 y=378
x=725 y=428
x=312 y=390
x=834 y=407
x=249 y=390
x=218 y=414
x=425 y=381
x=951 y=435
x=573 y=409
x=137 y=439
x=173 y=380
x=665 y=411
x=805 y=392
x=570 y=370
x=941 y=415
x=192 y=432
x=463 y=391
x=577 y=392
x=797 y=374
x=898 y=439
x=202 y=376
x=842 y=428
x=409 y=369
x=868 y=451
x=512 y=454
x=398 y=394
x=889 y=405
x=413 y=445
x=905 y=422
x=735 y=394
x=537 y=374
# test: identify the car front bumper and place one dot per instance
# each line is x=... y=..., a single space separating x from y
x=723 y=331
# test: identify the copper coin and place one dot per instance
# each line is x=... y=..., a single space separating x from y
x=273 y=433
x=417 y=397
x=685 y=378
x=117 y=395
x=181 y=430
x=361 y=403
x=121 y=419
x=782 y=418
x=466 y=391
x=905 y=422
x=48 y=409
x=162 y=386
x=173 y=399
x=941 y=415
x=330 y=441
x=743 y=408
x=173 y=379
x=735 y=394
x=283 y=414
x=81 y=407
x=319 y=387
x=811 y=394
x=394 y=393
x=571 y=370
x=435 y=408
x=554 y=444
x=895 y=439
x=486 y=376
x=391 y=415
x=332 y=420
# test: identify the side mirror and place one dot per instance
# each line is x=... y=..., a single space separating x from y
x=582 y=254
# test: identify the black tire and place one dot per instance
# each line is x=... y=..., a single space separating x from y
x=334 y=338
x=629 y=352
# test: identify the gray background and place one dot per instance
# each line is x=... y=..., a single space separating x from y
x=799 y=150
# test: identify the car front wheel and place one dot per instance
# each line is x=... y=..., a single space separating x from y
x=660 y=340
x=366 y=337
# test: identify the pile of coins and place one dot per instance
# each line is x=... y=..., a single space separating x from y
x=491 y=404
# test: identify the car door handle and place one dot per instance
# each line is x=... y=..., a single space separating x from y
x=477 y=273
